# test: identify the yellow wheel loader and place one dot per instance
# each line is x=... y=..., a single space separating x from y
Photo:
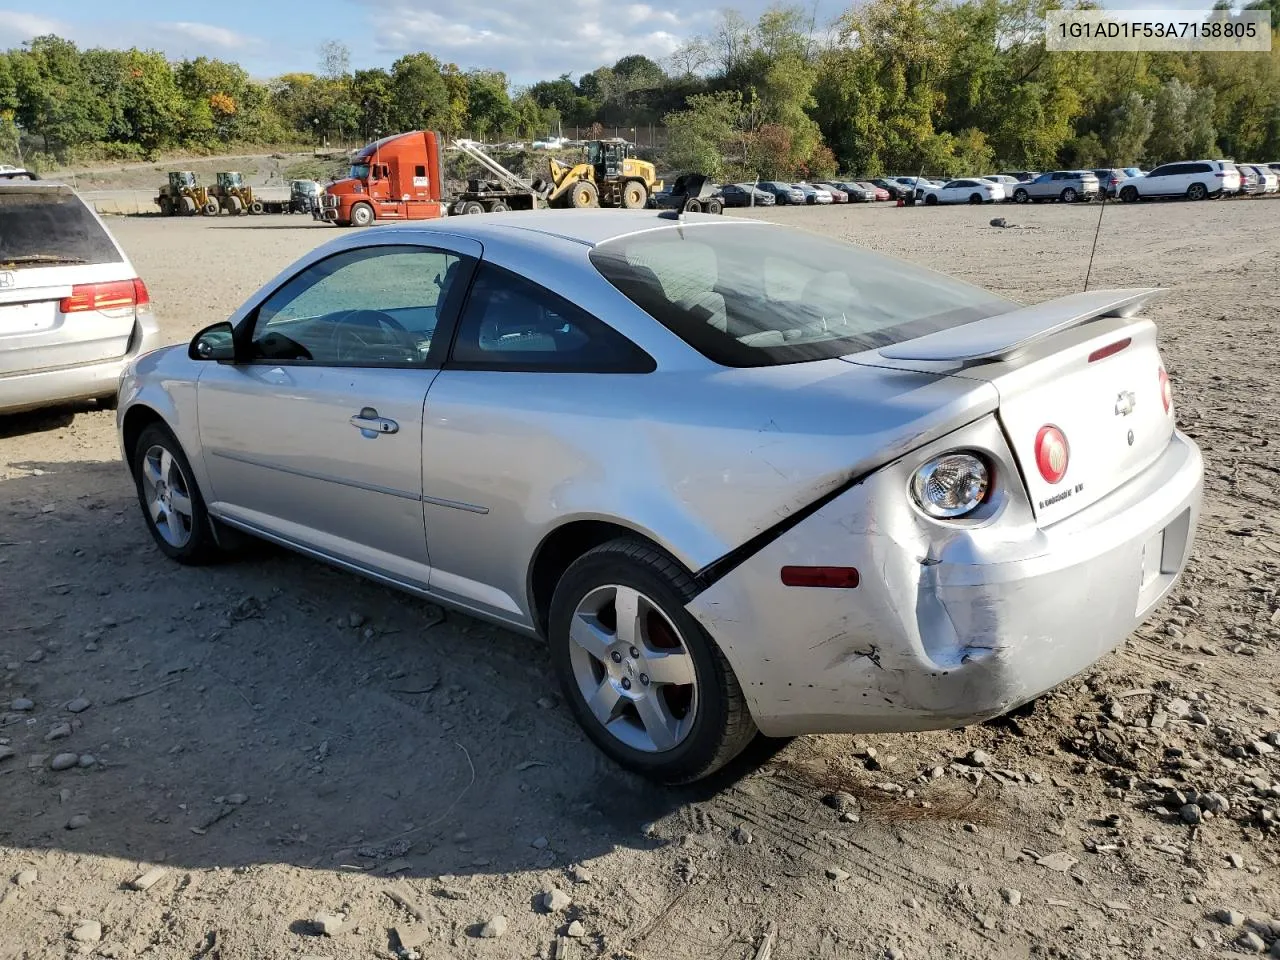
x=608 y=175
x=234 y=195
x=183 y=196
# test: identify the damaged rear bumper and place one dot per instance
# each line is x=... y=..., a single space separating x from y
x=950 y=624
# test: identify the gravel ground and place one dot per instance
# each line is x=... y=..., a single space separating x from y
x=271 y=758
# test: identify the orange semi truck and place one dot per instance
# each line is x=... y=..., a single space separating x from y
x=398 y=178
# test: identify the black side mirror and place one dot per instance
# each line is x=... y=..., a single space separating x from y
x=216 y=342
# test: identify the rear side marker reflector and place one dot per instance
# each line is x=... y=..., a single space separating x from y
x=105 y=296
x=820 y=577
x=1110 y=349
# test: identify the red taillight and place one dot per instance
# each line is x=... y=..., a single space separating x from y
x=1110 y=349
x=1052 y=453
x=101 y=296
x=820 y=576
x=1166 y=391
x=141 y=296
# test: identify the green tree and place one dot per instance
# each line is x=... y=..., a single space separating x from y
x=707 y=137
x=372 y=94
x=488 y=103
x=1128 y=129
x=419 y=97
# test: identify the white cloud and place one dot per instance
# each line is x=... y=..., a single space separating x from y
x=17 y=27
x=205 y=34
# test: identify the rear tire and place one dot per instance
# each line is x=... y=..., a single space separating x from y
x=185 y=537
x=361 y=215
x=472 y=207
x=499 y=207
x=931 y=200
x=693 y=206
x=211 y=208
x=701 y=725
x=1068 y=195
x=975 y=198
x=1197 y=191
x=635 y=195
x=256 y=207
x=715 y=206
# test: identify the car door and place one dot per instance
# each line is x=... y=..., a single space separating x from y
x=1042 y=186
x=517 y=413
x=314 y=434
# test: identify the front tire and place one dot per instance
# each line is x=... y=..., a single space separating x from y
x=584 y=195
x=361 y=215
x=649 y=687
x=931 y=200
x=635 y=195
x=1021 y=196
x=171 y=503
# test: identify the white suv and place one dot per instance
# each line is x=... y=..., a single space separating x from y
x=73 y=310
x=1195 y=180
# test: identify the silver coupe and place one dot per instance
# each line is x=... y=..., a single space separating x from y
x=740 y=477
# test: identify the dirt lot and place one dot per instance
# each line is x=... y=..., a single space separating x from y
x=285 y=740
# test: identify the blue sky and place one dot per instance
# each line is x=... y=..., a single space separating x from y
x=529 y=39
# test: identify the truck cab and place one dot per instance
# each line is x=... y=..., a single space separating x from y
x=395 y=178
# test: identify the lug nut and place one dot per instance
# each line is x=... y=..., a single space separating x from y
x=626 y=684
x=616 y=657
x=644 y=679
x=635 y=654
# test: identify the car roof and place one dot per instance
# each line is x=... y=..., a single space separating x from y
x=587 y=227
x=34 y=186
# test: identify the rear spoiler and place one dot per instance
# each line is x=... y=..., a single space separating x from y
x=1006 y=334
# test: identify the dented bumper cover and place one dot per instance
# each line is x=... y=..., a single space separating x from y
x=951 y=623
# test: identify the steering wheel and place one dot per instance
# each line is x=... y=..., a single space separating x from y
x=346 y=328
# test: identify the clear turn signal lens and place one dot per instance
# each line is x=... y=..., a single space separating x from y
x=951 y=485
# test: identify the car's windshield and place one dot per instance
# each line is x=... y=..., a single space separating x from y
x=42 y=228
x=757 y=294
x=360 y=171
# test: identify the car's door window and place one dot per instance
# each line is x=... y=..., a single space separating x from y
x=371 y=306
x=1165 y=171
x=512 y=323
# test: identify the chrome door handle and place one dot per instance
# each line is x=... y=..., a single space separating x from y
x=371 y=425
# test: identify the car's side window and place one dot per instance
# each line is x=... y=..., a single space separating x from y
x=371 y=306
x=512 y=323
x=1161 y=172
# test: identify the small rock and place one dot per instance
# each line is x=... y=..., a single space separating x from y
x=59 y=731
x=455 y=893
x=539 y=843
x=78 y=705
x=328 y=924
x=1011 y=896
x=6 y=751
x=1214 y=803
x=236 y=799
x=575 y=929
x=546 y=703
x=78 y=821
x=1062 y=862
x=1251 y=941
x=495 y=927
x=1199 y=942
x=741 y=835
x=148 y=879
x=977 y=758
x=1261 y=748
x=412 y=937
x=1232 y=918
x=841 y=801
x=356 y=619
x=22 y=705
x=1190 y=813
x=581 y=875
x=88 y=932
x=35 y=656
x=64 y=761
x=26 y=878
x=87 y=760
x=838 y=875
x=1179 y=708
x=553 y=900
x=1235 y=860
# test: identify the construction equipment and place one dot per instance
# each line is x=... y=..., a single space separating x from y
x=304 y=196
x=505 y=192
x=608 y=175
x=183 y=196
x=234 y=195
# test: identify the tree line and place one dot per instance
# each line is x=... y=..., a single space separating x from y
x=891 y=85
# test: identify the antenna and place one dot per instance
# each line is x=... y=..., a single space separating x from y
x=1094 y=248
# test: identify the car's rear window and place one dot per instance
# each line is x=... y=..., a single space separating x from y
x=48 y=228
x=747 y=295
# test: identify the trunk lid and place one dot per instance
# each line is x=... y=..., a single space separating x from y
x=1079 y=363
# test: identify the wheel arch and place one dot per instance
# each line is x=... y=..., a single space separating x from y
x=564 y=544
x=136 y=419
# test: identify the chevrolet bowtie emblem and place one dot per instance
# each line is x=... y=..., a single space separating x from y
x=1125 y=403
